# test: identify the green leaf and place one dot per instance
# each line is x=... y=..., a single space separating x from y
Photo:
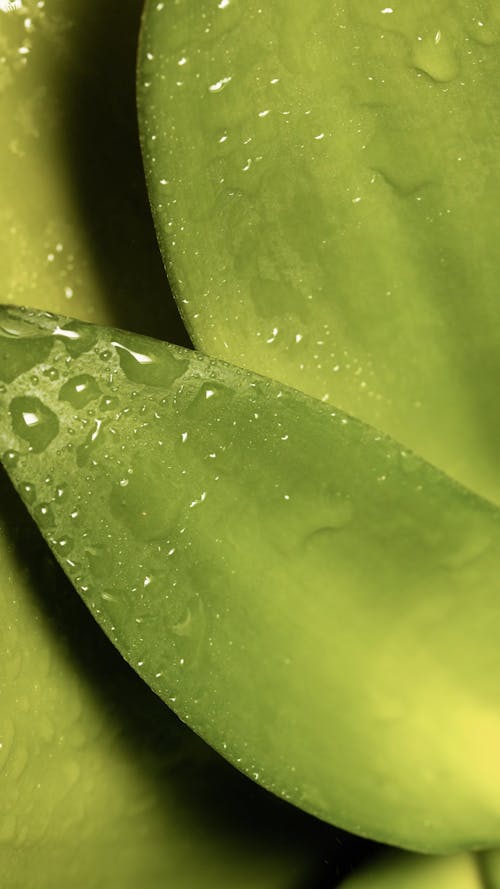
x=325 y=184
x=264 y=563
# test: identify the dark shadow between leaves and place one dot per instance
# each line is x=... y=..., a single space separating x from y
x=103 y=165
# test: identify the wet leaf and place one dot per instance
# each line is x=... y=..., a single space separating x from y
x=264 y=562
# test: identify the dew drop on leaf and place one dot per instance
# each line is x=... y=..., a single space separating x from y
x=79 y=390
x=33 y=421
x=43 y=515
x=28 y=492
x=10 y=459
x=154 y=367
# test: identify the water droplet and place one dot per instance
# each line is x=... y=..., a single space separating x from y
x=79 y=390
x=28 y=492
x=109 y=403
x=204 y=400
x=43 y=515
x=33 y=421
x=219 y=85
x=93 y=439
x=63 y=545
x=435 y=56
x=77 y=337
x=10 y=459
x=485 y=30
x=52 y=373
x=158 y=366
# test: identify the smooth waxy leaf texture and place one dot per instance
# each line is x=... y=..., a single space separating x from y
x=325 y=183
x=264 y=563
x=100 y=786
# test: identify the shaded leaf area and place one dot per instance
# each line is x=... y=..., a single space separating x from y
x=78 y=234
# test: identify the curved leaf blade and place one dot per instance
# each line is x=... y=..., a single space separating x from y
x=318 y=604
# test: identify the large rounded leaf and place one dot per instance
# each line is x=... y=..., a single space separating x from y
x=325 y=182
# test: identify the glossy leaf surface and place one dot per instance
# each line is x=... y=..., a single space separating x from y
x=264 y=562
x=325 y=183
x=100 y=786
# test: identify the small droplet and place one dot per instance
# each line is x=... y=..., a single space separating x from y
x=28 y=492
x=485 y=30
x=33 y=421
x=109 y=403
x=52 y=373
x=63 y=545
x=10 y=459
x=43 y=515
x=79 y=390
x=219 y=85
